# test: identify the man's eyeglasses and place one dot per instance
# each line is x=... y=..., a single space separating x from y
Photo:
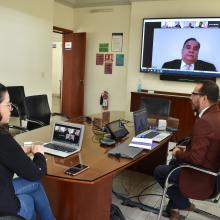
x=197 y=93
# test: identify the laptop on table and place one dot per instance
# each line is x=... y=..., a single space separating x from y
x=142 y=128
x=66 y=139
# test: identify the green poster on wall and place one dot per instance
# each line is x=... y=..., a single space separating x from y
x=103 y=47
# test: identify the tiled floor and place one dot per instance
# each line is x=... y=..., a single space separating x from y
x=130 y=183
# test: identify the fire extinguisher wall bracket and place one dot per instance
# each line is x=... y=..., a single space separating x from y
x=104 y=99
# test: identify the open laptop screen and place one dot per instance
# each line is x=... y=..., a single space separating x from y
x=140 y=121
x=66 y=134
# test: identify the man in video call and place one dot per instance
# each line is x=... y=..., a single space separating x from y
x=189 y=59
x=202 y=150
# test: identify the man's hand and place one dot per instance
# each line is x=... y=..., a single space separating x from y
x=181 y=147
x=178 y=148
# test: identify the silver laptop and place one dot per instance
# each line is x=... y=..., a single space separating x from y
x=66 y=139
x=141 y=127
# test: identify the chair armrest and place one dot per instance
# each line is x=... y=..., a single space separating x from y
x=201 y=169
x=17 y=127
x=36 y=122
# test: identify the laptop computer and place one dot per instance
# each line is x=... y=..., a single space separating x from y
x=66 y=139
x=142 y=128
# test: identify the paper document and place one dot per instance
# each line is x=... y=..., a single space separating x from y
x=143 y=143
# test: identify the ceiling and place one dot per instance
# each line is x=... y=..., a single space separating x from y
x=92 y=3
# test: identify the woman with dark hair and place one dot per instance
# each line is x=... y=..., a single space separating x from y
x=24 y=195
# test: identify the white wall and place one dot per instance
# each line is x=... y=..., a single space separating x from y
x=25 y=42
x=57 y=63
x=160 y=9
x=63 y=16
x=99 y=28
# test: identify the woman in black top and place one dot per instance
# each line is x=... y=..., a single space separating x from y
x=23 y=195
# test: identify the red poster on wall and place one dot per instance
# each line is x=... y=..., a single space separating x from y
x=99 y=59
x=108 y=68
x=109 y=57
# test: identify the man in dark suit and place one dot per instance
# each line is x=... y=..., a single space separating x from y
x=203 y=150
x=189 y=59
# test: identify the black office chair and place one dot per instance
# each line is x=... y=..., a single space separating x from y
x=38 y=111
x=156 y=107
x=214 y=198
x=17 y=96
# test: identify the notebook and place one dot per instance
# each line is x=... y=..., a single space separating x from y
x=141 y=127
x=66 y=139
x=123 y=150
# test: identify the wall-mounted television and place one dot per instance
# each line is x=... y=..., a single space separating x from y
x=185 y=49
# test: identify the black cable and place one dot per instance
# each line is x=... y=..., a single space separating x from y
x=128 y=202
x=139 y=195
x=147 y=187
x=147 y=194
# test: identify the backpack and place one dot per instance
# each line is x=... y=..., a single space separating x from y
x=115 y=213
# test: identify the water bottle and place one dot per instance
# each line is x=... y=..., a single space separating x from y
x=139 y=86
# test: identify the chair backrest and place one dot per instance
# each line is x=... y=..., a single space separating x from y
x=37 y=108
x=156 y=106
x=17 y=97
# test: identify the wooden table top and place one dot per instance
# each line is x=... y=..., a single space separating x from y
x=91 y=154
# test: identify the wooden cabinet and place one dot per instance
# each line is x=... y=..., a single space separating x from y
x=180 y=108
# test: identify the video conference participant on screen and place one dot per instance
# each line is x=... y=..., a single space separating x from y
x=189 y=61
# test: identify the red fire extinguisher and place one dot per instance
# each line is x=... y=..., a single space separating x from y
x=104 y=99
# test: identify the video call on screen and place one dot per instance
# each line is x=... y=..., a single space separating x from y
x=162 y=40
x=67 y=134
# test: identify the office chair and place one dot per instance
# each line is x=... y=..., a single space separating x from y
x=17 y=96
x=214 y=198
x=156 y=107
x=38 y=111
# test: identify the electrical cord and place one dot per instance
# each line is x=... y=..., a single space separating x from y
x=94 y=139
x=127 y=122
x=129 y=202
x=147 y=194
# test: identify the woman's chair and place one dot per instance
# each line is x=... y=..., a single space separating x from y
x=17 y=97
x=214 y=198
x=38 y=112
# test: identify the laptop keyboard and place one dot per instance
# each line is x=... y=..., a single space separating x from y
x=151 y=134
x=59 y=148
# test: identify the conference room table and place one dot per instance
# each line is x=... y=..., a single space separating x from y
x=88 y=195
